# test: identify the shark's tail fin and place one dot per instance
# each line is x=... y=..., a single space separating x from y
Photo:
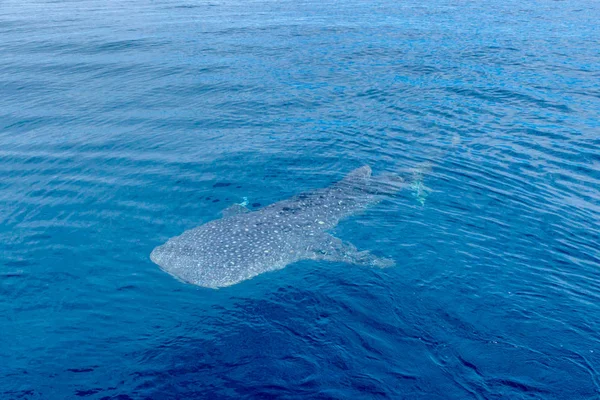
x=418 y=173
x=417 y=186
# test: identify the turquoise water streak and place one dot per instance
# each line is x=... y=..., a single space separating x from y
x=123 y=124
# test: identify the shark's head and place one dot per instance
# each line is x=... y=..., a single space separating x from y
x=189 y=263
x=157 y=256
x=171 y=261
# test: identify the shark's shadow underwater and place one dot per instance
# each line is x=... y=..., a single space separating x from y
x=247 y=243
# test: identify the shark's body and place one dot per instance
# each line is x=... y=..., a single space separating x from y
x=246 y=243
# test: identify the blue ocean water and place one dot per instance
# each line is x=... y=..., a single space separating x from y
x=125 y=123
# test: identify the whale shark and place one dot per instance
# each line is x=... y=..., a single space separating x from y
x=244 y=243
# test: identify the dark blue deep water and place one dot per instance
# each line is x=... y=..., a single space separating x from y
x=124 y=123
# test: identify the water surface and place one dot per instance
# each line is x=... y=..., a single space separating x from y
x=125 y=123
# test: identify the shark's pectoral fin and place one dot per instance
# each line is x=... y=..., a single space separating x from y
x=330 y=248
x=235 y=209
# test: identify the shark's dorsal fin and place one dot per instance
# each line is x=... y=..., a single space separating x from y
x=234 y=209
x=358 y=176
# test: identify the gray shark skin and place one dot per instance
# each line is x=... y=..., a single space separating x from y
x=247 y=243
